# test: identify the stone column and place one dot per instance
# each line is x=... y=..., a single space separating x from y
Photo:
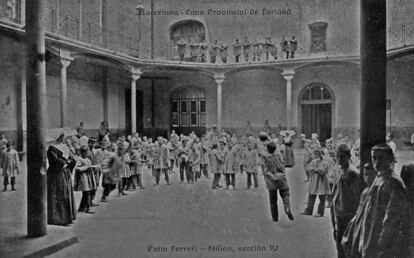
x=135 y=74
x=373 y=76
x=288 y=75
x=36 y=118
x=219 y=78
x=64 y=63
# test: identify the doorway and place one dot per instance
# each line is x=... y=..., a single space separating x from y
x=316 y=106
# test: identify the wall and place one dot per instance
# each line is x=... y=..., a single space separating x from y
x=10 y=80
x=400 y=90
x=344 y=80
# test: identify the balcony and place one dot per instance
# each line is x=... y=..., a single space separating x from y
x=85 y=35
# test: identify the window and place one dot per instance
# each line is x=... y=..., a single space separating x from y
x=318 y=36
x=189 y=31
x=191 y=112
x=316 y=92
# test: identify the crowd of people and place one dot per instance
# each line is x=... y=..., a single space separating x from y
x=372 y=214
x=245 y=50
x=121 y=165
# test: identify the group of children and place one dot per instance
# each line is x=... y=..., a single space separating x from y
x=121 y=164
x=251 y=51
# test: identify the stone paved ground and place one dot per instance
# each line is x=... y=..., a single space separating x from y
x=194 y=216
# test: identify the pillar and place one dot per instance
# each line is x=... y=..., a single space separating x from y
x=373 y=76
x=219 y=78
x=80 y=27
x=135 y=74
x=36 y=119
x=64 y=63
x=288 y=75
x=105 y=93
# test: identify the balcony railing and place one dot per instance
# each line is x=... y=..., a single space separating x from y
x=10 y=11
x=73 y=28
x=400 y=36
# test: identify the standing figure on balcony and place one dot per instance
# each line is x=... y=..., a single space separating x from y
x=237 y=50
x=213 y=51
x=203 y=51
x=246 y=48
x=257 y=51
x=223 y=52
x=266 y=47
x=272 y=49
x=293 y=46
x=194 y=46
x=181 y=48
x=284 y=44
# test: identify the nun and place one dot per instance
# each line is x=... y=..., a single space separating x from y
x=61 y=208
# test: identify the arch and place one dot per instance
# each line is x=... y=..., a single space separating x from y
x=316 y=110
x=189 y=30
x=188 y=109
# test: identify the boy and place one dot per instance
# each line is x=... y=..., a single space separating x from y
x=346 y=193
x=10 y=164
x=252 y=164
x=216 y=160
x=352 y=235
x=275 y=178
x=318 y=184
x=385 y=231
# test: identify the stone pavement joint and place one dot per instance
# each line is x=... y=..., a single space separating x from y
x=53 y=248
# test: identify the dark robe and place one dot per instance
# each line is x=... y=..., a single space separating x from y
x=289 y=155
x=61 y=207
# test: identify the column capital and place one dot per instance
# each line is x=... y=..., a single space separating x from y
x=64 y=63
x=65 y=58
x=219 y=78
x=135 y=73
x=288 y=74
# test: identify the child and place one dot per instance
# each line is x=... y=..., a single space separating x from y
x=252 y=164
x=346 y=194
x=352 y=235
x=204 y=157
x=386 y=216
x=195 y=161
x=84 y=179
x=232 y=166
x=274 y=175
x=112 y=169
x=216 y=160
x=318 y=184
x=10 y=164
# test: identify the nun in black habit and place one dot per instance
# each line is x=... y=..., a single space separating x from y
x=61 y=208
